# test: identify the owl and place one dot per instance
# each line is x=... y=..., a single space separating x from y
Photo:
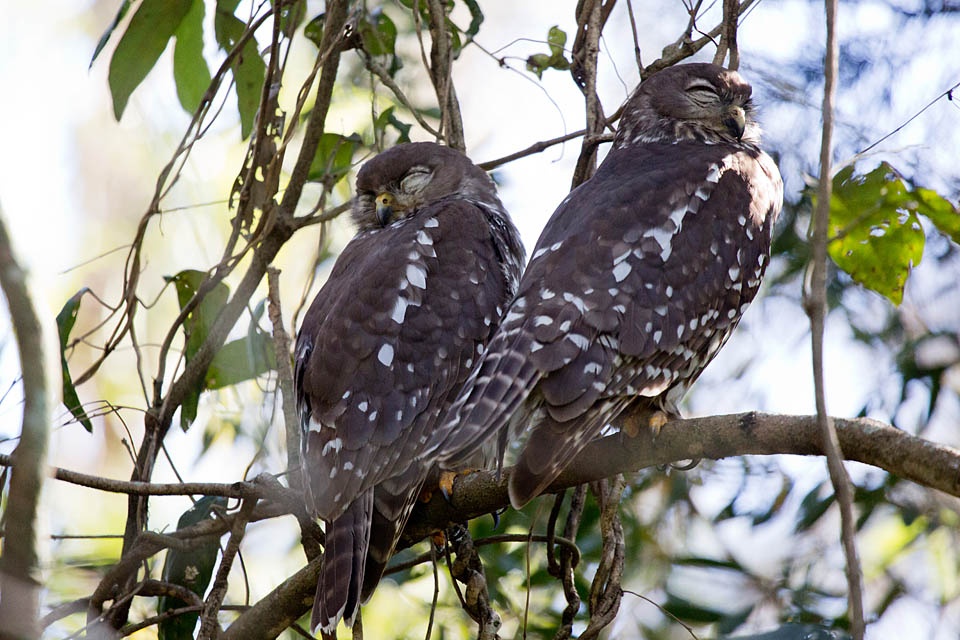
x=637 y=281
x=405 y=315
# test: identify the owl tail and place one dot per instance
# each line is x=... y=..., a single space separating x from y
x=344 y=560
x=551 y=446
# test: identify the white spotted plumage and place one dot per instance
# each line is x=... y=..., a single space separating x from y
x=382 y=350
x=637 y=281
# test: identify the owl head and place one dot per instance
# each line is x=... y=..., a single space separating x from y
x=395 y=184
x=698 y=101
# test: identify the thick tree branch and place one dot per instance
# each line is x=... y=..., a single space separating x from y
x=864 y=440
x=18 y=607
x=869 y=441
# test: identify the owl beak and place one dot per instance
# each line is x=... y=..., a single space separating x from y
x=385 y=204
x=735 y=120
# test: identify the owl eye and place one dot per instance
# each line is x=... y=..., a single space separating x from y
x=415 y=180
x=702 y=93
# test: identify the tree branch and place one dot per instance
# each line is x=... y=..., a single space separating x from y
x=864 y=440
x=19 y=605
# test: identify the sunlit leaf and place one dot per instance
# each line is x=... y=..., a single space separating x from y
x=151 y=27
x=121 y=14
x=876 y=236
x=941 y=212
x=191 y=568
x=334 y=156
x=65 y=321
x=190 y=70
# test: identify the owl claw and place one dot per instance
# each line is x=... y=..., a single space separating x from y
x=636 y=422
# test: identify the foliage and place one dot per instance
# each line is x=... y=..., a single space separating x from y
x=677 y=528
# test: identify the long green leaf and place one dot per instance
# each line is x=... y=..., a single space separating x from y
x=190 y=70
x=249 y=69
x=65 y=321
x=152 y=26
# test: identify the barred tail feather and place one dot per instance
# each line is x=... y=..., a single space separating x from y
x=552 y=445
x=344 y=561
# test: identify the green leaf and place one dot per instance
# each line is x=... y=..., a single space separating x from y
x=121 y=14
x=192 y=569
x=334 y=156
x=941 y=212
x=151 y=27
x=388 y=118
x=197 y=325
x=240 y=360
x=476 y=18
x=65 y=321
x=876 y=236
x=378 y=34
x=248 y=68
x=540 y=62
x=190 y=70
x=314 y=29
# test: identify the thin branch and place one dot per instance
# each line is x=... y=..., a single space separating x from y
x=815 y=303
x=209 y=627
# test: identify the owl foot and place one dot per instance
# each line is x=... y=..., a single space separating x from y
x=637 y=421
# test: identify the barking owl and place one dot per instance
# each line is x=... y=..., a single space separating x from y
x=635 y=284
x=385 y=347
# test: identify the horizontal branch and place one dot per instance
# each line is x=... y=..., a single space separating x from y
x=261 y=487
x=864 y=440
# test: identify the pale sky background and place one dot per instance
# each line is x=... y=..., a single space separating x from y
x=74 y=183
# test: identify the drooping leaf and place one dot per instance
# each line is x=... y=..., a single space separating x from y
x=476 y=18
x=812 y=507
x=540 y=62
x=197 y=325
x=65 y=321
x=941 y=212
x=191 y=568
x=190 y=71
x=102 y=42
x=248 y=68
x=334 y=156
x=876 y=236
x=152 y=26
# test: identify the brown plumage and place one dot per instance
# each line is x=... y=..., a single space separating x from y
x=386 y=345
x=636 y=282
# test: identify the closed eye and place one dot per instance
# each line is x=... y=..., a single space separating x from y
x=415 y=180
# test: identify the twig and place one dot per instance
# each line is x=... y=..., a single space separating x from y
x=281 y=348
x=591 y=16
x=19 y=605
x=815 y=304
x=209 y=627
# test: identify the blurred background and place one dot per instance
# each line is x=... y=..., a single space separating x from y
x=749 y=541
